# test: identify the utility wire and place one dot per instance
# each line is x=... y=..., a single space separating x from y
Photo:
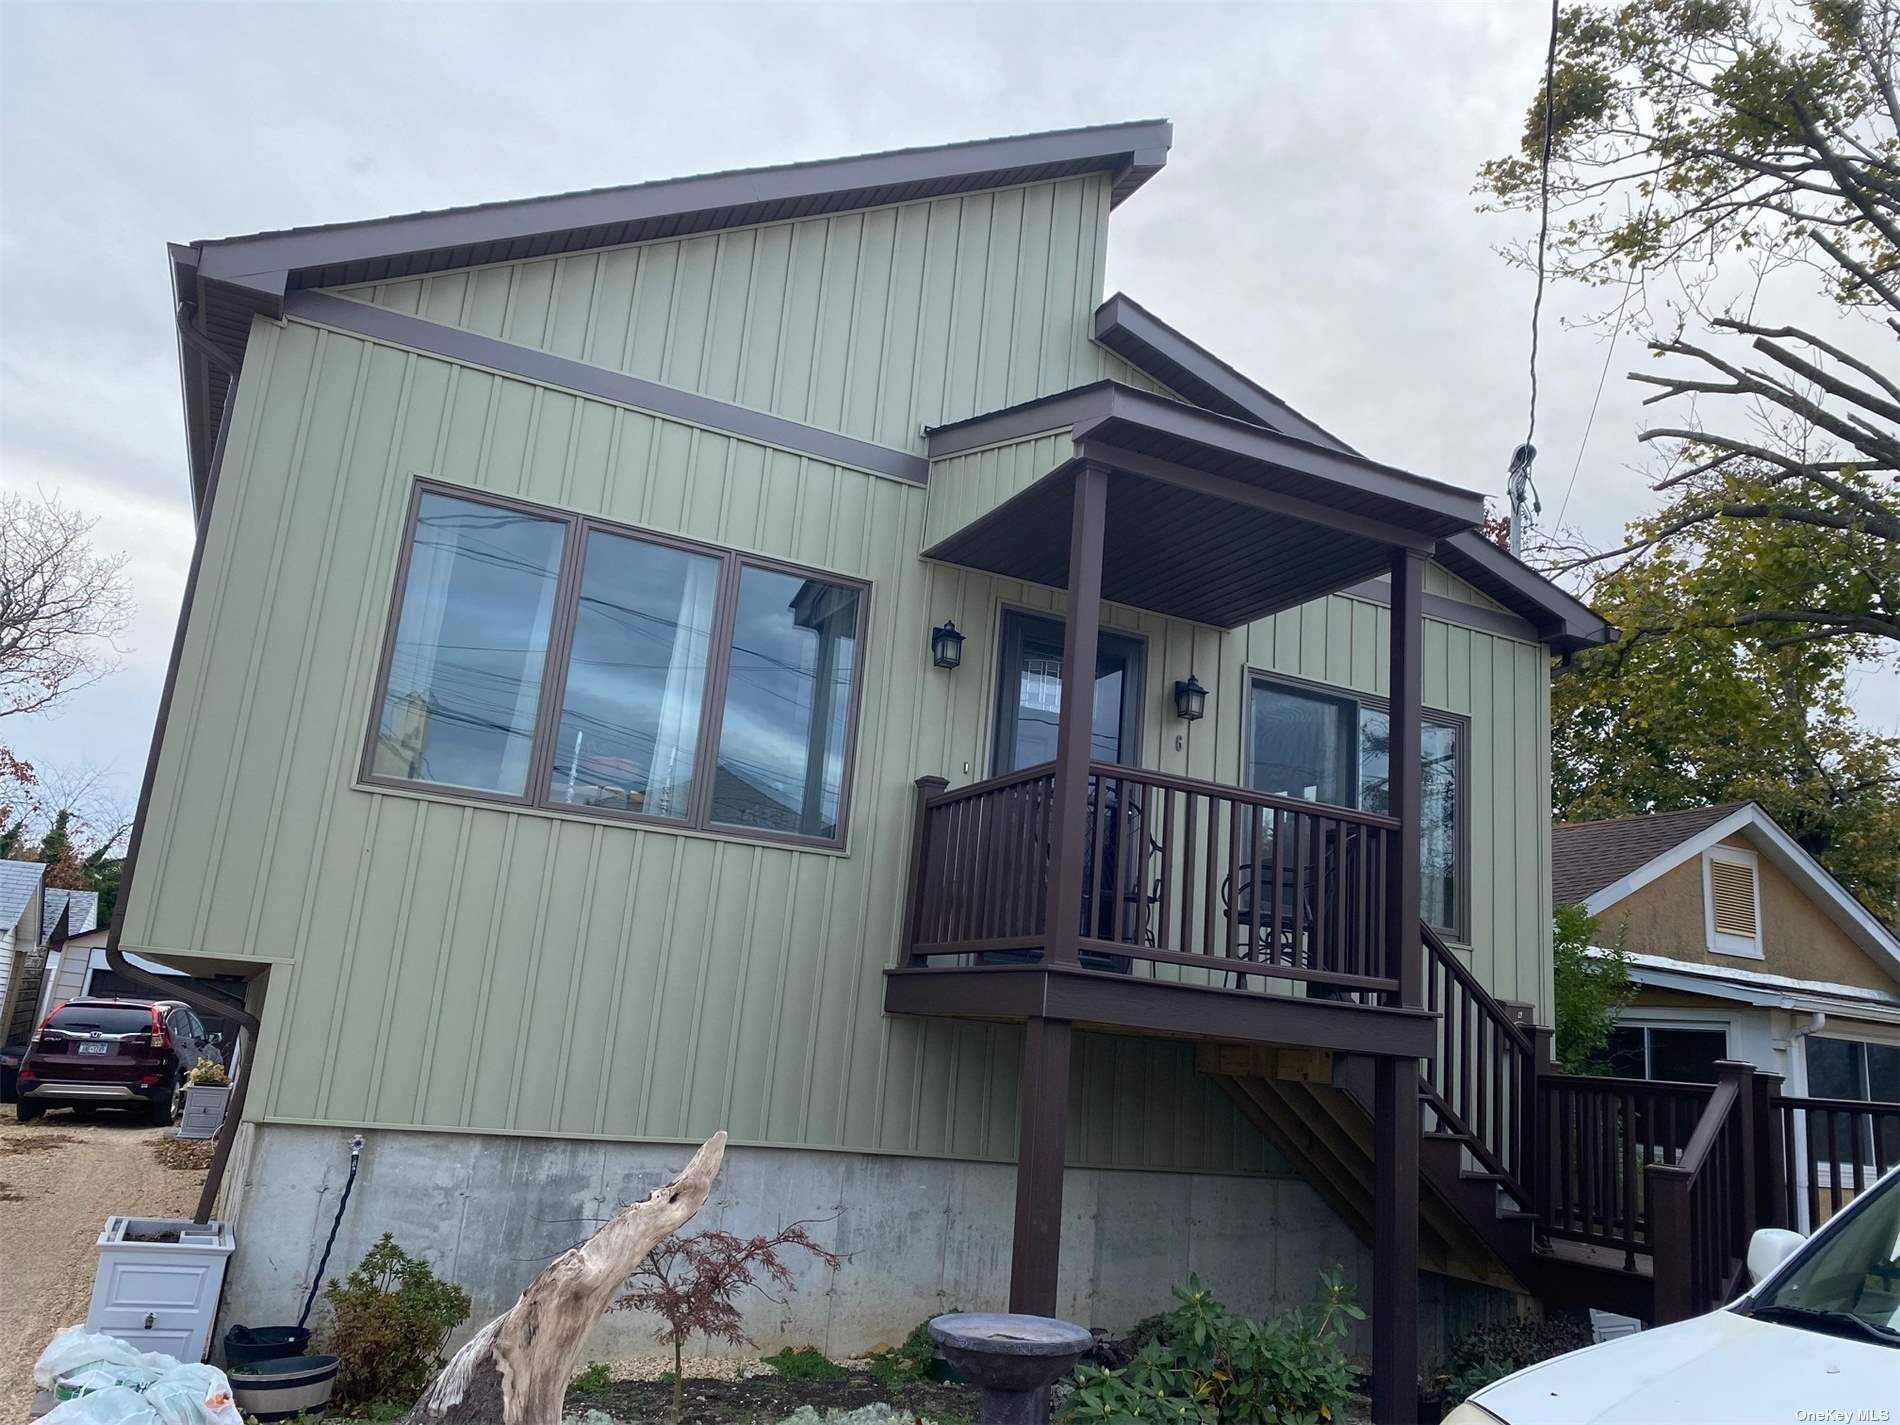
x=1521 y=487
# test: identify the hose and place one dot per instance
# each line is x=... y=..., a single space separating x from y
x=356 y=1154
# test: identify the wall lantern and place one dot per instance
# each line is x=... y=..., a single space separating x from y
x=946 y=645
x=1190 y=699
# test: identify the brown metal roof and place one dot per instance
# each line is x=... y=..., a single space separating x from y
x=1209 y=518
x=1586 y=856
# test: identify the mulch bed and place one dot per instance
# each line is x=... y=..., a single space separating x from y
x=187 y=1155
x=768 y=1398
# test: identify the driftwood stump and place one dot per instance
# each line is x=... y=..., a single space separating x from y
x=515 y=1370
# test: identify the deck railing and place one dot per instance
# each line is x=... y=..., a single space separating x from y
x=1827 y=1151
x=1701 y=1208
x=1481 y=1080
x=1599 y=1137
x=1220 y=885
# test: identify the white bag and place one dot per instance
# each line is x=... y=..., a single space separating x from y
x=193 y=1395
x=113 y=1406
x=75 y=1348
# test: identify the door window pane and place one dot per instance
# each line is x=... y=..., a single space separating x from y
x=471 y=644
x=636 y=678
x=781 y=740
x=1303 y=746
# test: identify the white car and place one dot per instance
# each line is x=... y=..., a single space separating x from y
x=1817 y=1339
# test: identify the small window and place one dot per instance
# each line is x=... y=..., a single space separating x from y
x=1732 y=897
x=1860 y=1070
x=548 y=660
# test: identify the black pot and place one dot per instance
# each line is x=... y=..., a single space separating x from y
x=244 y=1345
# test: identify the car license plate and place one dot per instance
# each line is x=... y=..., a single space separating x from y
x=95 y=1048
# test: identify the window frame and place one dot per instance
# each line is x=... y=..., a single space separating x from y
x=1459 y=723
x=1721 y=942
x=1645 y=1027
x=576 y=527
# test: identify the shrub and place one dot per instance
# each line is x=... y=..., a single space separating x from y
x=390 y=1320
x=806 y=1363
x=1491 y=1352
x=1202 y=1363
x=207 y=1071
x=915 y=1360
x=591 y=1381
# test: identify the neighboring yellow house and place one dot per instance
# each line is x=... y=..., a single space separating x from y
x=1744 y=947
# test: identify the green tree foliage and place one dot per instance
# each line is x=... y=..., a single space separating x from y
x=1685 y=712
x=1698 y=140
x=1591 y=990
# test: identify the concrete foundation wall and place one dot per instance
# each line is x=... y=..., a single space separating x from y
x=924 y=1235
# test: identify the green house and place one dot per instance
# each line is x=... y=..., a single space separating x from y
x=629 y=686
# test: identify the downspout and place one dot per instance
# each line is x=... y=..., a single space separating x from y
x=206 y=1002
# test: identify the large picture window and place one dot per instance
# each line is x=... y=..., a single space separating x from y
x=1336 y=748
x=556 y=661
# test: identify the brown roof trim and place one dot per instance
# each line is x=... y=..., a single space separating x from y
x=1096 y=409
x=1182 y=364
x=410 y=243
x=529 y=364
x=221 y=284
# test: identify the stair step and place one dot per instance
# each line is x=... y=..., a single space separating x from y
x=1480 y=1176
x=1515 y=1214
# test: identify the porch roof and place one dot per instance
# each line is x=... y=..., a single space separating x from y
x=1209 y=518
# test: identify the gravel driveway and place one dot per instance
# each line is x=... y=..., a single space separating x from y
x=59 y=1181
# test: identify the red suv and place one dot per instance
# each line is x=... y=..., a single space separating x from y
x=113 y=1053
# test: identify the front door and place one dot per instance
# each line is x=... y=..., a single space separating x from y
x=1029 y=694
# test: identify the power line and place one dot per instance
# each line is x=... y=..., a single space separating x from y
x=1522 y=489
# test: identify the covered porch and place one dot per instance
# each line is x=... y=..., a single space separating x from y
x=1080 y=892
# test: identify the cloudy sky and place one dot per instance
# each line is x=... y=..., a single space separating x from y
x=1315 y=223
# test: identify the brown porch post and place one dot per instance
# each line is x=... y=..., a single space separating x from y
x=1035 y=1255
x=1405 y=772
x=1080 y=631
x=1395 y=1243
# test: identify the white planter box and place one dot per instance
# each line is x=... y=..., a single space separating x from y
x=160 y=1295
x=204 y=1110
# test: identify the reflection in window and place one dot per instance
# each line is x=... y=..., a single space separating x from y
x=1303 y=745
x=636 y=678
x=1334 y=750
x=465 y=671
x=780 y=765
x=1666 y=1053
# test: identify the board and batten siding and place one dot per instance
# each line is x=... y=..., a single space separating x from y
x=876 y=322
x=443 y=964
x=966 y=487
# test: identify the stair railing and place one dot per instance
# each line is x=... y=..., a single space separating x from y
x=1702 y=1209
x=1482 y=1083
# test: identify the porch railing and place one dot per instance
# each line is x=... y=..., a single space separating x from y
x=1826 y=1151
x=1701 y=1208
x=1482 y=1078
x=1600 y=1136
x=1233 y=887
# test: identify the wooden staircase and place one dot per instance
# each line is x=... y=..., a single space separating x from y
x=1623 y=1195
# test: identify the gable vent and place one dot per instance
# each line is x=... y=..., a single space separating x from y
x=1732 y=889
